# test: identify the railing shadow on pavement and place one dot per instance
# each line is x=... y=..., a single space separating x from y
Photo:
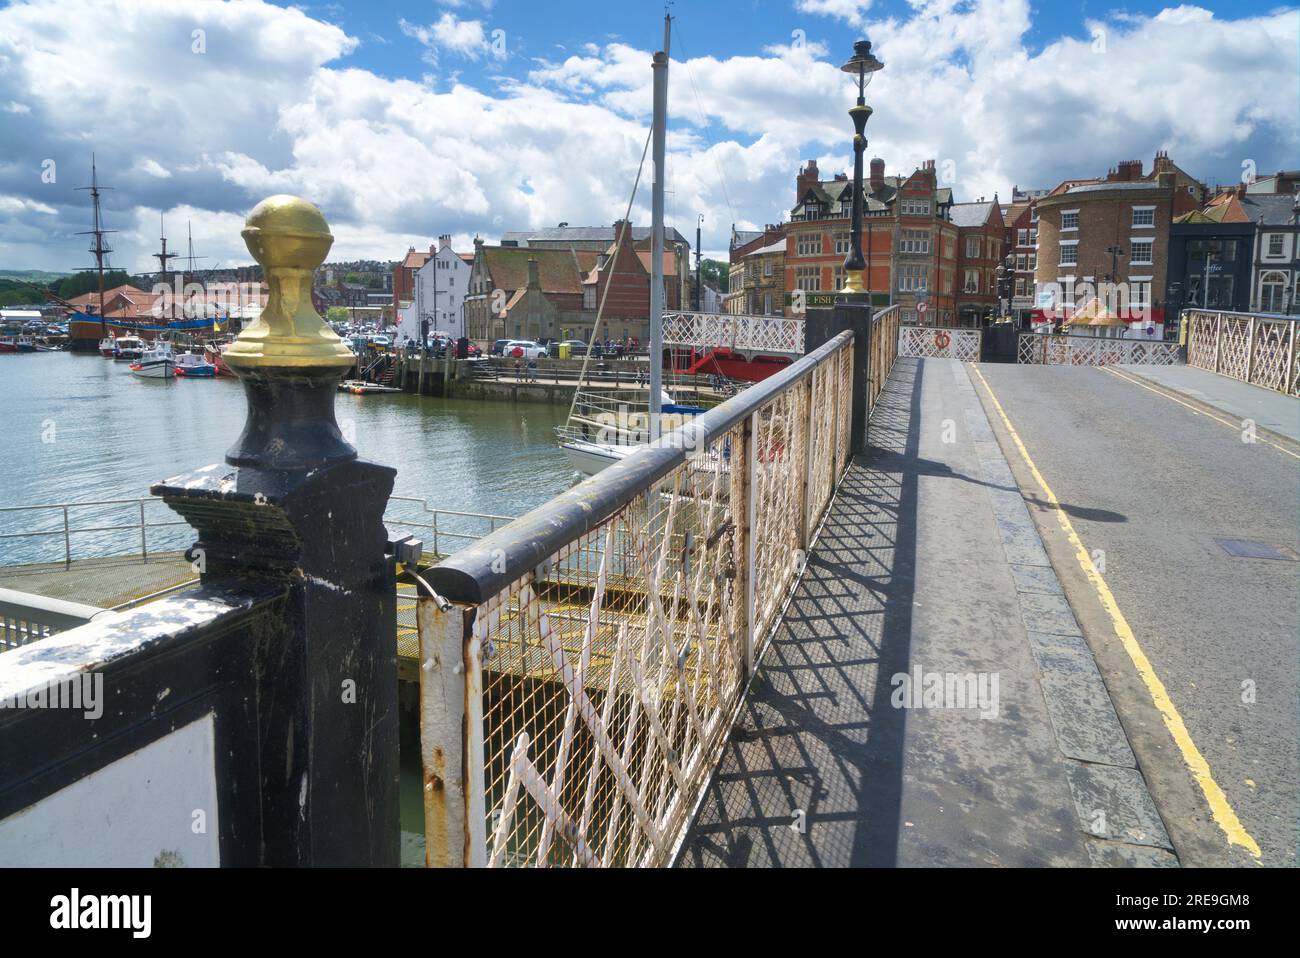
x=831 y=640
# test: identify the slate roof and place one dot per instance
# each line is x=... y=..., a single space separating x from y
x=777 y=247
x=1278 y=208
x=970 y=214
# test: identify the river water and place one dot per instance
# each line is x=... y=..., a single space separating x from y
x=81 y=428
x=76 y=427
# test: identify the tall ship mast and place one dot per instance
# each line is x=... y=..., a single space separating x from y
x=164 y=256
x=100 y=249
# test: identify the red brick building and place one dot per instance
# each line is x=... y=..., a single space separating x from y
x=908 y=242
x=981 y=238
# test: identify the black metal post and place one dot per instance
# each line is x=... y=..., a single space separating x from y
x=295 y=507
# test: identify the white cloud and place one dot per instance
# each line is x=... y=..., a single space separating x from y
x=852 y=12
x=274 y=106
x=153 y=168
x=465 y=38
x=10 y=205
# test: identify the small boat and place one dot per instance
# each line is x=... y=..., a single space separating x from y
x=157 y=362
x=359 y=387
x=17 y=344
x=128 y=348
x=214 y=353
x=108 y=348
x=194 y=366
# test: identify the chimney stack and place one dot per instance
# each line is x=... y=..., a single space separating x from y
x=808 y=178
x=534 y=276
x=877 y=174
x=444 y=241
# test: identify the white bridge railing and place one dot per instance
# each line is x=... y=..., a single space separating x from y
x=764 y=334
x=1063 y=350
x=580 y=668
x=931 y=342
x=1259 y=349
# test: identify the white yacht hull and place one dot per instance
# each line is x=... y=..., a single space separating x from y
x=590 y=458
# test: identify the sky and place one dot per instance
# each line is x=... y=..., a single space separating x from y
x=407 y=119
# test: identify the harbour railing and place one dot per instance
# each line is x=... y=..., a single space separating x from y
x=439 y=527
x=65 y=532
x=580 y=668
x=1258 y=348
x=1061 y=349
x=96 y=528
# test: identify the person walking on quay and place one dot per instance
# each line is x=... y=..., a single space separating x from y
x=519 y=371
x=532 y=370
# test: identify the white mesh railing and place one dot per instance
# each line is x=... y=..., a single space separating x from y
x=572 y=715
x=1258 y=349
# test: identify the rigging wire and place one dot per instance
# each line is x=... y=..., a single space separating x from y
x=600 y=310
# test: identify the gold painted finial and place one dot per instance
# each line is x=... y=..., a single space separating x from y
x=289 y=237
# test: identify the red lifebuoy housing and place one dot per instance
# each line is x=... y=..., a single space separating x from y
x=941 y=340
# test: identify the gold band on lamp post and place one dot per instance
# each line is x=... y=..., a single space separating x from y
x=289 y=237
x=854 y=281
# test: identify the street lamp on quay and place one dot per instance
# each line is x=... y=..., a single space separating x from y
x=1006 y=279
x=864 y=65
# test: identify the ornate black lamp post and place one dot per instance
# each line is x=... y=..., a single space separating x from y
x=864 y=64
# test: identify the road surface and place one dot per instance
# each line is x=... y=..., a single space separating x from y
x=1150 y=485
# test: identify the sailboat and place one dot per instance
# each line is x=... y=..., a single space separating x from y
x=607 y=425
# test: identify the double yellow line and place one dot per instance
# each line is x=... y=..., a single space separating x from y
x=1220 y=808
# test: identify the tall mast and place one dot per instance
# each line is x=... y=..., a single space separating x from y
x=659 y=137
x=188 y=276
x=163 y=256
x=98 y=248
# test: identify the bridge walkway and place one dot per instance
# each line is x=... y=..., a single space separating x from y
x=928 y=563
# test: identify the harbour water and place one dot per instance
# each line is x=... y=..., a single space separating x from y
x=80 y=428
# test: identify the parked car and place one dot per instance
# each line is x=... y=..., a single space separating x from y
x=499 y=347
x=524 y=349
x=576 y=347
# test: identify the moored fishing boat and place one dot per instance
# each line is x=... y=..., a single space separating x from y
x=194 y=366
x=156 y=362
x=108 y=347
x=214 y=353
x=17 y=344
x=128 y=348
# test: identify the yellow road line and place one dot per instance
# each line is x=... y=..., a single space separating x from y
x=1236 y=426
x=1196 y=763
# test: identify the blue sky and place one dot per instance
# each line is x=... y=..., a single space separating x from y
x=404 y=120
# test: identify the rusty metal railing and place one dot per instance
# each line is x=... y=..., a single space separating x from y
x=580 y=668
x=1256 y=348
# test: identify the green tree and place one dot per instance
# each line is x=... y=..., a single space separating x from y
x=88 y=282
x=715 y=272
x=337 y=314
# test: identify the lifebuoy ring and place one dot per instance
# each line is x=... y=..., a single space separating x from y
x=941 y=340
